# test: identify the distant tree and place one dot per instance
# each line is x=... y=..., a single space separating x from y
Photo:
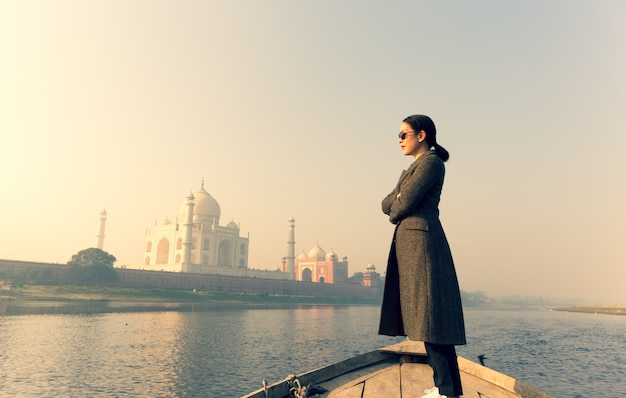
x=475 y=298
x=92 y=267
x=356 y=278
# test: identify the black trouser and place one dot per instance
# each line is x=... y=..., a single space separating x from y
x=442 y=358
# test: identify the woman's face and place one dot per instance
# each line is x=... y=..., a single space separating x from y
x=410 y=145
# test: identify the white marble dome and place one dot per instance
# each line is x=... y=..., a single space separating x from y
x=232 y=225
x=317 y=252
x=331 y=256
x=206 y=210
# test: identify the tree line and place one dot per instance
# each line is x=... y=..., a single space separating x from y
x=89 y=267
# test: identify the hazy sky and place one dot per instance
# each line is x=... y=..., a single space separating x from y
x=292 y=108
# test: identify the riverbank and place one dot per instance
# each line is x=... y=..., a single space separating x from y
x=598 y=309
x=129 y=299
x=155 y=296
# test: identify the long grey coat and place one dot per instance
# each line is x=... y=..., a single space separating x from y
x=421 y=298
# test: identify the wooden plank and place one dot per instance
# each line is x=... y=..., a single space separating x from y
x=322 y=374
x=406 y=347
x=355 y=377
x=488 y=383
x=476 y=387
x=384 y=384
x=415 y=379
x=484 y=373
x=352 y=392
x=362 y=379
x=317 y=376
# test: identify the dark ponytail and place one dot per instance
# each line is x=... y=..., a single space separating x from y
x=423 y=122
x=441 y=152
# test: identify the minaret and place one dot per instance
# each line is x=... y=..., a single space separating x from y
x=187 y=230
x=291 y=246
x=100 y=236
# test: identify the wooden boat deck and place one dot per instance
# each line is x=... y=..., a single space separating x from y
x=400 y=371
x=411 y=380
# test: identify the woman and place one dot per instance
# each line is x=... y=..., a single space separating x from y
x=421 y=299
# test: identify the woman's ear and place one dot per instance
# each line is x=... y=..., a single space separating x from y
x=421 y=136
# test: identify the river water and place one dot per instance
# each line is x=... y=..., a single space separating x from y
x=226 y=352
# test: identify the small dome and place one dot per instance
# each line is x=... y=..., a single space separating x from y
x=302 y=255
x=317 y=252
x=331 y=255
x=232 y=225
x=371 y=267
x=166 y=221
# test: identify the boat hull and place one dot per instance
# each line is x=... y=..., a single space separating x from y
x=397 y=371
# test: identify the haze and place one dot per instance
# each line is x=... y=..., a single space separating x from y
x=292 y=108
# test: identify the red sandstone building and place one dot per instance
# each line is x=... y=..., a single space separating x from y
x=371 y=278
x=319 y=266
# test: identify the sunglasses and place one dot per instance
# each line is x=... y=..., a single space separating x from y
x=403 y=134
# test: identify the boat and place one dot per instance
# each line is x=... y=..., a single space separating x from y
x=396 y=371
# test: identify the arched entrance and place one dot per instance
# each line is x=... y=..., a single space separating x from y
x=163 y=250
x=307 y=275
x=225 y=254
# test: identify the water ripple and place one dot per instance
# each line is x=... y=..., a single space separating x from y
x=226 y=353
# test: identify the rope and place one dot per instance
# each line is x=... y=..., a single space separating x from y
x=295 y=389
x=298 y=391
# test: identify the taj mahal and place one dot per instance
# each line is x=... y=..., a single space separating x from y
x=196 y=238
x=196 y=243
